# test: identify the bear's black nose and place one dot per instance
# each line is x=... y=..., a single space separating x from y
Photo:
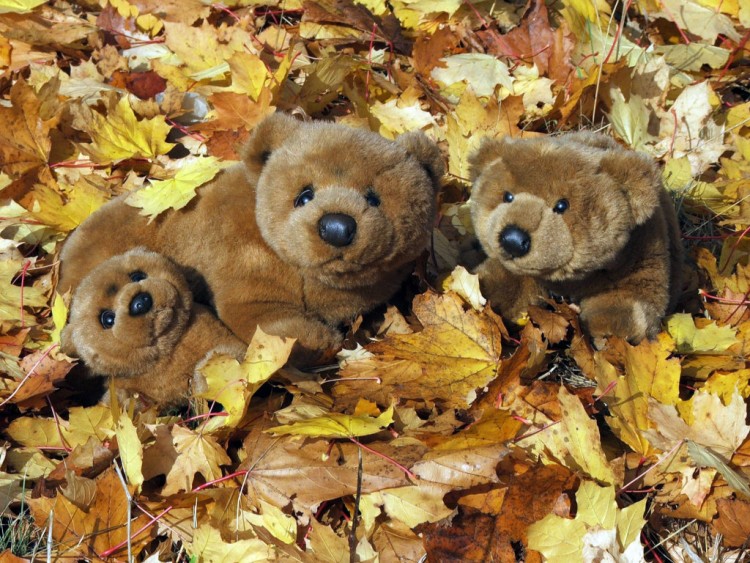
x=515 y=241
x=337 y=229
x=141 y=304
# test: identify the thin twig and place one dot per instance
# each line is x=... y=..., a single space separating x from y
x=130 y=511
x=355 y=515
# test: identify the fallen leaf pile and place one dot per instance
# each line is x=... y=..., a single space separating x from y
x=438 y=432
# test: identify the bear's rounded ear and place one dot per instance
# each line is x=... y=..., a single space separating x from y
x=488 y=151
x=421 y=147
x=267 y=136
x=639 y=178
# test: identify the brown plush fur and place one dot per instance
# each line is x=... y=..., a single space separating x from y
x=615 y=250
x=154 y=353
x=263 y=258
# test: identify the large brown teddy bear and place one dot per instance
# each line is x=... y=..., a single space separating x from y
x=133 y=318
x=318 y=223
x=576 y=216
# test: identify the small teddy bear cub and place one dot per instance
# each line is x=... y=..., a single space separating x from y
x=133 y=318
x=581 y=217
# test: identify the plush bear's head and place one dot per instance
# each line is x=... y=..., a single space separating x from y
x=343 y=202
x=559 y=208
x=128 y=313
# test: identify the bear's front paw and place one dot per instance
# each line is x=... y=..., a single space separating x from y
x=626 y=319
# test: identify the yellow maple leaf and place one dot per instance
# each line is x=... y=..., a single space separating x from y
x=413 y=505
x=208 y=546
x=119 y=135
x=719 y=427
x=233 y=383
x=691 y=339
x=648 y=372
x=196 y=453
x=336 y=425
x=456 y=353
x=82 y=424
x=583 y=439
x=175 y=192
x=280 y=525
x=65 y=214
x=562 y=539
x=467 y=286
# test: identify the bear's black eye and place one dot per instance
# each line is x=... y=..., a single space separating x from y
x=561 y=206
x=137 y=276
x=305 y=196
x=372 y=198
x=107 y=319
x=507 y=197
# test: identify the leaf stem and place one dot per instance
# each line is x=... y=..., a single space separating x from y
x=385 y=457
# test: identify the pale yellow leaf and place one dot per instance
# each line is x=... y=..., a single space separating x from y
x=175 y=192
x=196 y=453
x=233 y=383
x=131 y=450
x=415 y=504
x=650 y=371
x=630 y=522
x=596 y=505
x=582 y=439
x=560 y=540
x=720 y=428
x=690 y=339
x=467 y=286
x=480 y=72
x=209 y=547
x=281 y=526
x=19 y=6
x=336 y=425
x=396 y=118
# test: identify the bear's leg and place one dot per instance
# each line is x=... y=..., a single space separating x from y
x=313 y=335
x=509 y=294
x=619 y=313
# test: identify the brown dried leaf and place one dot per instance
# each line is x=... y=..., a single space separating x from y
x=89 y=533
x=457 y=352
x=733 y=521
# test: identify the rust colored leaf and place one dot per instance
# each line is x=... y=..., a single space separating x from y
x=733 y=521
x=88 y=533
x=24 y=138
x=43 y=373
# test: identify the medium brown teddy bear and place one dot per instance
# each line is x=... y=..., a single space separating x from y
x=317 y=224
x=580 y=217
x=133 y=318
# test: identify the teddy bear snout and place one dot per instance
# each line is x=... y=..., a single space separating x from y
x=140 y=304
x=337 y=229
x=515 y=241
